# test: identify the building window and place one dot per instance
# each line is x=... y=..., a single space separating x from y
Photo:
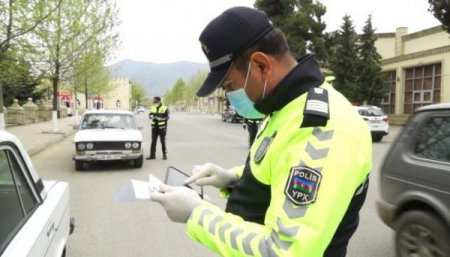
x=388 y=102
x=422 y=86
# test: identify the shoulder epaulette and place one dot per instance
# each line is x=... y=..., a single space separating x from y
x=316 y=112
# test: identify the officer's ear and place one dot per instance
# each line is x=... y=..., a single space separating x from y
x=262 y=63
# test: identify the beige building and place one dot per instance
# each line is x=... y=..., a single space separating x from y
x=118 y=98
x=214 y=103
x=417 y=68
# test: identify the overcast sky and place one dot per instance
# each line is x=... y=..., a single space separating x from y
x=164 y=31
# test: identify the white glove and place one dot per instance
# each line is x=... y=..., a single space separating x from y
x=177 y=201
x=211 y=174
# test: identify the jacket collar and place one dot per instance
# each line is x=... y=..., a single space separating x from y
x=299 y=80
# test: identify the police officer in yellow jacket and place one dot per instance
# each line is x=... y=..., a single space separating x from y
x=306 y=175
x=159 y=115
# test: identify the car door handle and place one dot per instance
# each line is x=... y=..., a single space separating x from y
x=50 y=229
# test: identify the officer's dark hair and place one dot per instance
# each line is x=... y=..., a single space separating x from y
x=157 y=98
x=274 y=43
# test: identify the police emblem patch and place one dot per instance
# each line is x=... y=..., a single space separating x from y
x=302 y=185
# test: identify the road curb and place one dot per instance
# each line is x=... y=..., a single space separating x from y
x=58 y=138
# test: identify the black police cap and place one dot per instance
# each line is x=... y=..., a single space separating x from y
x=229 y=34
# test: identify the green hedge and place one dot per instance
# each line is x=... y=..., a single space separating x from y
x=398 y=119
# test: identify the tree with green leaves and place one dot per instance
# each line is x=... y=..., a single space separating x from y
x=301 y=22
x=344 y=59
x=441 y=10
x=176 y=93
x=192 y=86
x=17 y=19
x=89 y=74
x=370 y=86
x=17 y=79
x=75 y=26
x=137 y=92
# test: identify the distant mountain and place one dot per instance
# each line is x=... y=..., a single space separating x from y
x=156 y=78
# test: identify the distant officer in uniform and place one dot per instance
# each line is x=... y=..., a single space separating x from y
x=159 y=115
x=252 y=126
x=306 y=175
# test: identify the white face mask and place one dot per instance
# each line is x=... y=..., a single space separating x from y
x=241 y=103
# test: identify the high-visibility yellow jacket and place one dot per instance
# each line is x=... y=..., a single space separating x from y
x=159 y=116
x=301 y=189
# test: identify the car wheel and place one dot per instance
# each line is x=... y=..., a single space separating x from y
x=421 y=233
x=138 y=162
x=79 y=165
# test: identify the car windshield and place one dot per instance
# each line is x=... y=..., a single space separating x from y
x=371 y=112
x=108 y=121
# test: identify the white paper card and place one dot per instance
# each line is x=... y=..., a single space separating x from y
x=141 y=189
x=138 y=189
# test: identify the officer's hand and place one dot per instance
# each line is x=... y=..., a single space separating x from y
x=211 y=174
x=177 y=201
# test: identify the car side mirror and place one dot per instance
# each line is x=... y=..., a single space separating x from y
x=76 y=126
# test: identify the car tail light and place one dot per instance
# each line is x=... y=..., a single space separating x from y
x=386 y=120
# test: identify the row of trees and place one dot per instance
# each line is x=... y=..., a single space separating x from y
x=185 y=91
x=350 y=57
x=49 y=42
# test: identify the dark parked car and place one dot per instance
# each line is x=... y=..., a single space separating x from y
x=415 y=184
x=230 y=115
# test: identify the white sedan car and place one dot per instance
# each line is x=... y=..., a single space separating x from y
x=34 y=214
x=108 y=135
x=376 y=119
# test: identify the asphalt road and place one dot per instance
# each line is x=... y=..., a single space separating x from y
x=105 y=227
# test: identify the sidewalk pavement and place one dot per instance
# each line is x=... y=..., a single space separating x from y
x=38 y=136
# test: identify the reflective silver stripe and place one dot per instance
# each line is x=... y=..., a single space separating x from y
x=283 y=245
x=246 y=243
x=212 y=225
x=292 y=211
x=233 y=237
x=220 y=60
x=316 y=153
x=205 y=212
x=317 y=105
x=362 y=186
x=322 y=135
x=291 y=231
x=265 y=248
x=222 y=231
